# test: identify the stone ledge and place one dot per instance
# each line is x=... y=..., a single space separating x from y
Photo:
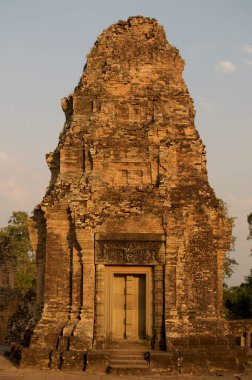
x=197 y=361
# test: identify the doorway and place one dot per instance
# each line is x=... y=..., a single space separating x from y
x=129 y=306
x=128 y=312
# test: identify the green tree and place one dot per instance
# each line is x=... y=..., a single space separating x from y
x=229 y=261
x=238 y=300
x=17 y=231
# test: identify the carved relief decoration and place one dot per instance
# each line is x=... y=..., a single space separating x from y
x=129 y=252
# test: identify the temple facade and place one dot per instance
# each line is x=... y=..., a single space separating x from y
x=130 y=237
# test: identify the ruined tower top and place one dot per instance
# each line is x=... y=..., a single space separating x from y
x=140 y=40
x=129 y=131
x=133 y=115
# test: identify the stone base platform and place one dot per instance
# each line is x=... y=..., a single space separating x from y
x=53 y=359
x=197 y=361
x=133 y=362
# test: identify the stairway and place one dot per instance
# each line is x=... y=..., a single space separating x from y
x=128 y=362
x=4 y=349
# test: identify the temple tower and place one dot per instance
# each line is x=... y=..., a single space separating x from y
x=130 y=237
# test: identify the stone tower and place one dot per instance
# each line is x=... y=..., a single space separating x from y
x=130 y=237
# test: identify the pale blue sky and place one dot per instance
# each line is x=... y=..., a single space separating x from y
x=43 y=47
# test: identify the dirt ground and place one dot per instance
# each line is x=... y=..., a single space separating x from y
x=9 y=372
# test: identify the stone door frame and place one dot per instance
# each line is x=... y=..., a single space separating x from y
x=114 y=253
x=110 y=271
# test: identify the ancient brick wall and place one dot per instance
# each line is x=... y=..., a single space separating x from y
x=241 y=330
x=129 y=161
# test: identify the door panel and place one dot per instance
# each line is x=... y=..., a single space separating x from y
x=129 y=317
x=142 y=307
x=129 y=306
x=118 y=317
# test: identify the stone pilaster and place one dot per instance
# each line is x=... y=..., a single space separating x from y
x=83 y=332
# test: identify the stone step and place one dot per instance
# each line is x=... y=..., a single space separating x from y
x=125 y=351
x=130 y=366
x=127 y=362
x=127 y=358
x=128 y=355
x=124 y=369
x=131 y=363
x=4 y=348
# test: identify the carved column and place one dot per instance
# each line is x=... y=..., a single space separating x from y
x=248 y=339
x=158 y=304
x=99 y=328
x=83 y=333
x=76 y=279
x=57 y=273
x=57 y=280
x=170 y=280
x=129 y=306
x=170 y=274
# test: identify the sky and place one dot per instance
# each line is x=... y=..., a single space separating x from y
x=43 y=48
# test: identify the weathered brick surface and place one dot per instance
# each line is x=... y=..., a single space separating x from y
x=130 y=161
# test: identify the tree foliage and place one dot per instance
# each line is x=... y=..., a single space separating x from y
x=229 y=261
x=17 y=231
x=238 y=300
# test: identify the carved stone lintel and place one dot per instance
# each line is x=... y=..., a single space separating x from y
x=129 y=252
